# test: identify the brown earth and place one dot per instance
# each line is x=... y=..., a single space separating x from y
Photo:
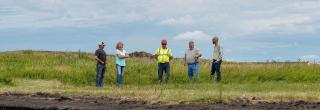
x=46 y=101
x=141 y=54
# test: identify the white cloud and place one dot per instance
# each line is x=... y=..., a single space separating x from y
x=235 y=17
x=288 y=23
x=236 y=20
x=180 y=21
x=256 y=46
x=194 y=35
x=311 y=58
x=67 y=13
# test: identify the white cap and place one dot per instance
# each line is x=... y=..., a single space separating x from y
x=101 y=43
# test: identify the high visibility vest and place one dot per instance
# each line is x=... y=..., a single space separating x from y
x=163 y=55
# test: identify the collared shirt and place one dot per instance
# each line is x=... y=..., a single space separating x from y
x=120 y=61
x=101 y=54
x=163 y=55
x=191 y=55
x=218 y=53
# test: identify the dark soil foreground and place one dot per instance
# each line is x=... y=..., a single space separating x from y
x=45 y=101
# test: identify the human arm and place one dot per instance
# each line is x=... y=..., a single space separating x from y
x=185 y=59
x=99 y=60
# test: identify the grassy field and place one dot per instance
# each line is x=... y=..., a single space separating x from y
x=74 y=74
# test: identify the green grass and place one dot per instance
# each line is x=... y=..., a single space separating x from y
x=74 y=73
x=6 y=82
x=179 y=93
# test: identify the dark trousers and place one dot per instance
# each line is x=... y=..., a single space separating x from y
x=163 y=67
x=215 y=68
x=101 y=69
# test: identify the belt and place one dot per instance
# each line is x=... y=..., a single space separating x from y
x=193 y=63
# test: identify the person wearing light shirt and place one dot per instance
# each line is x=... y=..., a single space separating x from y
x=217 y=59
x=192 y=59
x=120 y=56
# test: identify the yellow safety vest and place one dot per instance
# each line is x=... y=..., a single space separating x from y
x=163 y=55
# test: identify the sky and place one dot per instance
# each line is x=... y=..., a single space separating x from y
x=249 y=30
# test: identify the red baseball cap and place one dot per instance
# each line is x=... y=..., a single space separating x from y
x=164 y=42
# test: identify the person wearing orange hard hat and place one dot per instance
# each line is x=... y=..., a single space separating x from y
x=163 y=56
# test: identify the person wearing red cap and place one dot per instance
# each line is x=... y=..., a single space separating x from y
x=163 y=56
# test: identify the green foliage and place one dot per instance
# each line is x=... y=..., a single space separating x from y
x=79 y=69
x=6 y=81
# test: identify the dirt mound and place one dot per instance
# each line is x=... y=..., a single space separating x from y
x=46 y=101
x=141 y=54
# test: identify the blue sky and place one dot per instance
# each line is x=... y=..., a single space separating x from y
x=250 y=30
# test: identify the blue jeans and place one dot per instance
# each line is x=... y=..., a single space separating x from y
x=215 y=68
x=120 y=73
x=193 y=68
x=161 y=68
x=101 y=69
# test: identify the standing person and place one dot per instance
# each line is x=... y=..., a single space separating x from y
x=163 y=56
x=191 y=58
x=101 y=58
x=217 y=58
x=121 y=56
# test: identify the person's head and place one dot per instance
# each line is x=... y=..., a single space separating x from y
x=101 y=45
x=191 y=45
x=215 y=40
x=164 y=44
x=119 y=46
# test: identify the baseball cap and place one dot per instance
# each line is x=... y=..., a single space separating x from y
x=101 y=43
x=164 y=42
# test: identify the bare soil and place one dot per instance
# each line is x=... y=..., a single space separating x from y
x=46 y=101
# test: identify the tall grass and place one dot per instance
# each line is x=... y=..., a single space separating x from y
x=80 y=69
